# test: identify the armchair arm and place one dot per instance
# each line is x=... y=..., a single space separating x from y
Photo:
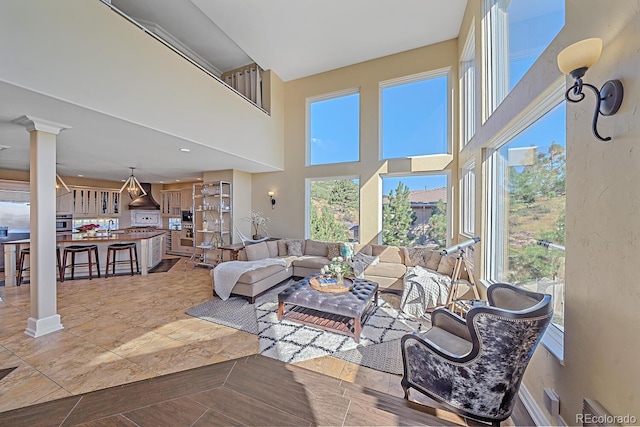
x=450 y=322
x=428 y=347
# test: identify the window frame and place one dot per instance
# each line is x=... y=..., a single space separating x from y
x=467 y=87
x=326 y=97
x=553 y=339
x=441 y=72
x=468 y=199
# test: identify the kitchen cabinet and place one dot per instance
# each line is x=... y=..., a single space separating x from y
x=180 y=244
x=92 y=202
x=185 y=199
x=171 y=202
x=64 y=203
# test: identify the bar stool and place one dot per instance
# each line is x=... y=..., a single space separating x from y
x=115 y=248
x=24 y=253
x=75 y=249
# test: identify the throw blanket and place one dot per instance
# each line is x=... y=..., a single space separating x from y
x=226 y=275
x=360 y=262
x=423 y=289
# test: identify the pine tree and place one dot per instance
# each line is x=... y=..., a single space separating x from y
x=397 y=217
x=325 y=227
x=438 y=224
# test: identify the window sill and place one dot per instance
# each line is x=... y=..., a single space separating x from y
x=553 y=341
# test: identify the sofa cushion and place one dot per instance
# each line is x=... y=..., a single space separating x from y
x=294 y=247
x=257 y=251
x=259 y=274
x=415 y=257
x=432 y=259
x=388 y=253
x=447 y=263
x=311 y=261
x=333 y=250
x=386 y=269
x=315 y=247
x=272 y=245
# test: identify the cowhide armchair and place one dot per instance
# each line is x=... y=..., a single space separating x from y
x=474 y=366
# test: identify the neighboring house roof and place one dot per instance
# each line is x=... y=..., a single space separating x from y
x=428 y=196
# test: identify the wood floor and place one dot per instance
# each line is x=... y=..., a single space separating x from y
x=129 y=355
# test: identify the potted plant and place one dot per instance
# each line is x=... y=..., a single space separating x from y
x=258 y=221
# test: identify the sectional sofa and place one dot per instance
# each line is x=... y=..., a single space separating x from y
x=307 y=257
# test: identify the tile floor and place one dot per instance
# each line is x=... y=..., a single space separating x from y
x=129 y=328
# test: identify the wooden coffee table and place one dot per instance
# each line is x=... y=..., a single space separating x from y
x=342 y=313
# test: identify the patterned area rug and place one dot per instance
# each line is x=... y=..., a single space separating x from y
x=379 y=346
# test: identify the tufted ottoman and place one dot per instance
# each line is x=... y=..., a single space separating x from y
x=343 y=313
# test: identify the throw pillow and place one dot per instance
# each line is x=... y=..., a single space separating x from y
x=415 y=256
x=257 y=251
x=282 y=247
x=346 y=250
x=294 y=248
x=333 y=250
x=432 y=259
x=447 y=263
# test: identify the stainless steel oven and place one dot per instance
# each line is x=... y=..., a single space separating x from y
x=64 y=223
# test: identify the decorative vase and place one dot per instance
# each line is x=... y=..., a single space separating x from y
x=257 y=236
x=91 y=232
x=340 y=279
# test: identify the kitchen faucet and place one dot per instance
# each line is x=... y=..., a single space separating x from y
x=109 y=226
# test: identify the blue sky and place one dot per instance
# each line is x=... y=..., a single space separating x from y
x=414 y=119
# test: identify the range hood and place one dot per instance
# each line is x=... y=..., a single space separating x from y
x=145 y=202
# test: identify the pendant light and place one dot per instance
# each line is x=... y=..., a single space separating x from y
x=60 y=184
x=133 y=186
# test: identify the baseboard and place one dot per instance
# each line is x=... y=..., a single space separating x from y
x=535 y=411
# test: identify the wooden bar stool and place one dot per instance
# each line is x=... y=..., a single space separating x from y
x=115 y=248
x=24 y=253
x=75 y=249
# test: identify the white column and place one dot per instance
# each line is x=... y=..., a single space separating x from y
x=42 y=259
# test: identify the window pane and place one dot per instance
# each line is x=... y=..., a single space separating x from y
x=528 y=206
x=334 y=210
x=468 y=199
x=414 y=211
x=468 y=90
x=516 y=34
x=335 y=130
x=414 y=118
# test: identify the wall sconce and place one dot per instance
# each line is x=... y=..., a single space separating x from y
x=273 y=201
x=575 y=60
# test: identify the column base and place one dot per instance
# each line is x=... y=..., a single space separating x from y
x=39 y=327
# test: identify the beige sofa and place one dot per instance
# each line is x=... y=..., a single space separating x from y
x=307 y=257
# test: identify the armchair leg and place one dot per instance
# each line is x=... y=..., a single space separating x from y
x=405 y=386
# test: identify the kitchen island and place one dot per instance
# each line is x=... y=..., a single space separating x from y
x=149 y=244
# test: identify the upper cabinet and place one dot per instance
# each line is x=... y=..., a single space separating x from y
x=90 y=202
x=171 y=202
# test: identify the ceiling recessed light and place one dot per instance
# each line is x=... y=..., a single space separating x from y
x=185 y=150
x=161 y=182
x=199 y=179
x=80 y=175
x=177 y=180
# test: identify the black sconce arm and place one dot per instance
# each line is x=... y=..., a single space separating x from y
x=576 y=91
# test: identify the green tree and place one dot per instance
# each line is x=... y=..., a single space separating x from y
x=397 y=217
x=325 y=227
x=438 y=224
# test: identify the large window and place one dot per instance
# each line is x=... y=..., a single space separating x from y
x=527 y=206
x=468 y=202
x=333 y=128
x=516 y=32
x=415 y=116
x=468 y=116
x=334 y=210
x=414 y=210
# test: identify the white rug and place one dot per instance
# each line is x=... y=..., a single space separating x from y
x=379 y=346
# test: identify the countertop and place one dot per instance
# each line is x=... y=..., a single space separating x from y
x=99 y=237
